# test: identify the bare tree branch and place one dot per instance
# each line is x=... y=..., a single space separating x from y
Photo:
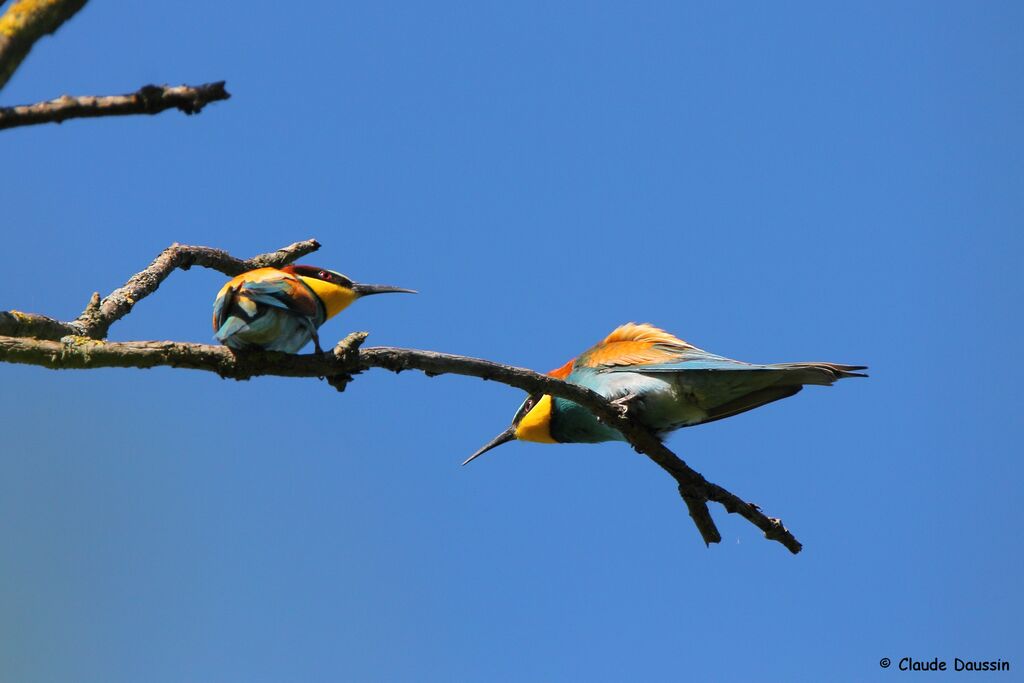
x=99 y=315
x=694 y=488
x=149 y=99
x=32 y=339
x=38 y=340
x=25 y=22
x=19 y=324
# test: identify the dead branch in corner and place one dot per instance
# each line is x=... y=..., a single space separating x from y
x=149 y=99
x=25 y=22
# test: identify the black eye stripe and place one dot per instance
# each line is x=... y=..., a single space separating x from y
x=323 y=274
x=527 y=406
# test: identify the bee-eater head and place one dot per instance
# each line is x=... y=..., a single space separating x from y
x=336 y=291
x=532 y=422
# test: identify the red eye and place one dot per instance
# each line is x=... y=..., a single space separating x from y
x=323 y=275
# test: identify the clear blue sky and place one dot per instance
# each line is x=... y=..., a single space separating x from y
x=772 y=182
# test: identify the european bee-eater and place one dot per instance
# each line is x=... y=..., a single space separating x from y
x=280 y=309
x=661 y=381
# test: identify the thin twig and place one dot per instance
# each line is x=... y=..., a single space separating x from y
x=149 y=99
x=96 y=321
x=99 y=315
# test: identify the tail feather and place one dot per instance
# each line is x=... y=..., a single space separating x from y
x=784 y=380
x=823 y=374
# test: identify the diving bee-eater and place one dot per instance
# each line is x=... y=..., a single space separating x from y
x=662 y=382
x=280 y=309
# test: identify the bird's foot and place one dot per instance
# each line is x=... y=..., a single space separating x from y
x=316 y=342
x=622 y=404
x=318 y=350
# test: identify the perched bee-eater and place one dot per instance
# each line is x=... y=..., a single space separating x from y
x=662 y=382
x=280 y=309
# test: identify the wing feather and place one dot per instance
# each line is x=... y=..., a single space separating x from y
x=632 y=345
x=283 y=291
x=245 y=295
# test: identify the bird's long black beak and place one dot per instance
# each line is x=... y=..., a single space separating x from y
x=506 y=436
x=366 y=290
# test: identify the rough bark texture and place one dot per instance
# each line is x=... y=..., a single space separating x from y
x=25 y=22
x=149 y=99
x=37 y=340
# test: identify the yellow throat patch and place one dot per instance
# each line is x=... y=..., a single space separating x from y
x=335 y=297
x=536 y=424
